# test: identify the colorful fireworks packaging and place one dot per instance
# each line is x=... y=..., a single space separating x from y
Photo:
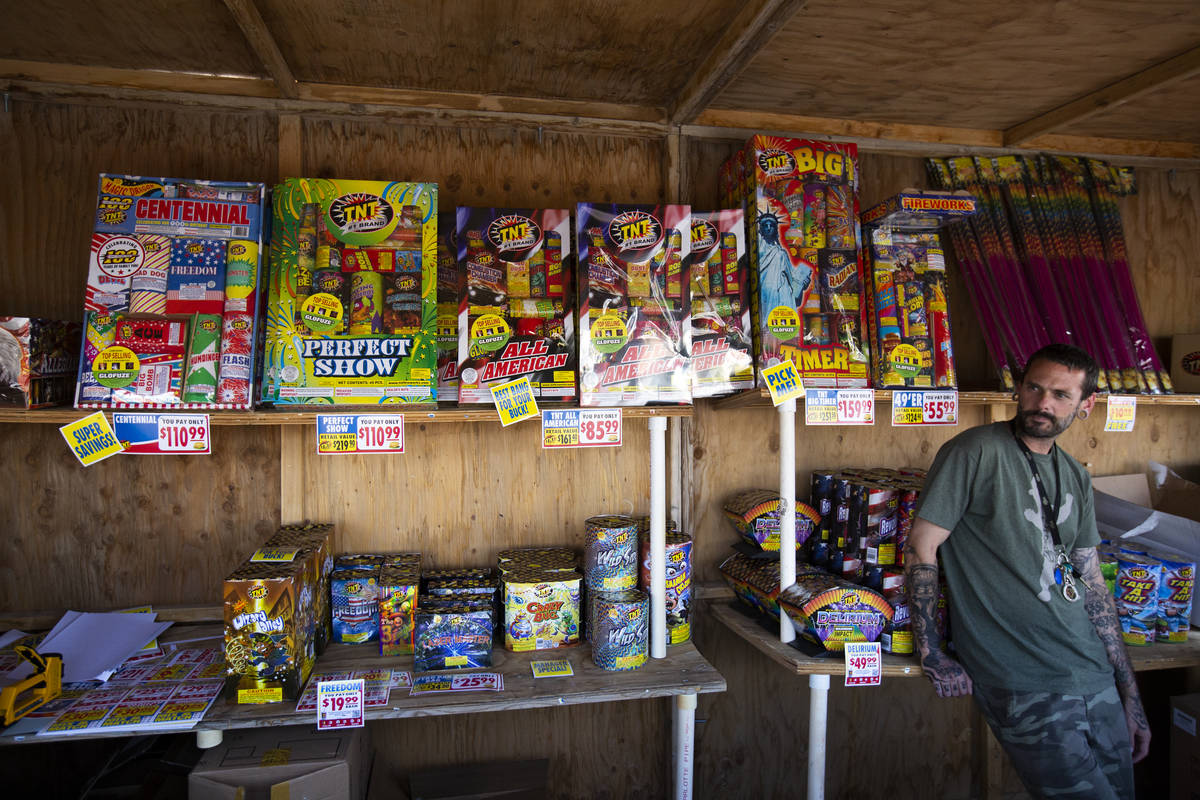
x=831 y=611
x=1138 y=580
x=452 y=637
x=908 y=314
x=516 y=316
x=541 y=608
x=754 y=581
x=620 y=629
x=806 y=278
x=399 y=582
x=352 y=313
x=355 y=601
x=722 y=360
x=679 y=583
x=171 y=257
x=634 y=314
x=610 y=555
x=755 y=514
x=40 y=366
x=451 y=285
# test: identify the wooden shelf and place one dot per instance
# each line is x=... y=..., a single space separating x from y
x=761 y=398
x=61 y=416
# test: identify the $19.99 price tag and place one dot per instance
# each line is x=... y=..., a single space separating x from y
x=864 y=664
x=340 y=704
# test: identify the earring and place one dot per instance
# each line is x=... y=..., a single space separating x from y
x=1083 y=415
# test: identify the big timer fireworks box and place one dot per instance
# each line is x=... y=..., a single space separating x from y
x=352 y=315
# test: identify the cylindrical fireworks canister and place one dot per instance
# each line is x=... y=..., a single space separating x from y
x=679 y=584
x=148 y=286
x=620 y=629
x=241 y=275
x=204 y=356
x=366 y=303
x=610 y=553
x=237 y=346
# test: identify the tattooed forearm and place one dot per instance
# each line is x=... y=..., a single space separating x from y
x=1103 y=614
x=922 y=600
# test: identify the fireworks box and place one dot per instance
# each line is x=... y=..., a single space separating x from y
x=456 y=637
x=352 y=310
x=171 y=297
x=272 y=620
x=39 y=359
x=722 y=361
x=451 y=285
x=634 y=312
x=314 y=543
x=908 y=315
x=398 y=588
x=515 y=317
x=801 y=201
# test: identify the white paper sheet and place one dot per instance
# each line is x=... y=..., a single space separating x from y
x=93 y=645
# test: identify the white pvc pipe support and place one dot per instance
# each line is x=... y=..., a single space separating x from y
x=685 y=739
x=658 y=537
x=787 y=520
x=208 y=739
x=818 y=717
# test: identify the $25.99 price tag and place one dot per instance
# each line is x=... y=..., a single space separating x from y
x=864 y=664
x=340 y=704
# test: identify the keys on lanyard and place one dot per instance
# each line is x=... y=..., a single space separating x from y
x=1064 y=576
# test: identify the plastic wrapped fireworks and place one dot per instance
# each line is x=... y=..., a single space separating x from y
x=722 y=359
x=755 y=514
x=451 y=285
x=831 y=611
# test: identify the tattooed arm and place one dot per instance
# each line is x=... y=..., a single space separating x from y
x=921 y=579
x=1103 y=614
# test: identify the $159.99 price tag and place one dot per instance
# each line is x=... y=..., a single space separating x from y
x=839 y=407
x=340 y=704
x=864 y=664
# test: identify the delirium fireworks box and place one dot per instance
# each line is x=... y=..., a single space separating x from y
x=801 y=200
x=39 y=359
x=171 y=297
x=515 y=318
x=634 y=313
x=722 y=361
x=352 y=314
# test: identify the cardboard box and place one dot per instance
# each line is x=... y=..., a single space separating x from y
x=293 y=762
x=1185 y=747
x=1185 y=362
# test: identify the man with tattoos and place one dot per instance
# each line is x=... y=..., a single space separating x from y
x=1036 y=633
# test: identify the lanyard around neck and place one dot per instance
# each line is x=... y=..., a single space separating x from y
x=1049 y=512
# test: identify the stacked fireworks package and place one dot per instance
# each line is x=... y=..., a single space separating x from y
x=634 y=326
x=352 y=312
x=618 y=613
x=541 y=597
x=801 y=202
x=450 y=287
x=455 y=620
x=515 y=317
x=722 y=361
x=908 y=315
x=171 y=294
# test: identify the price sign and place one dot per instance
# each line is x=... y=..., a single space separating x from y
x=581 y=427
x=839 y=407
x=559 y=668
x=918 y=407
x=183 y=433
x=514 y=401
x=783 y=382
x=864 y=664
x=340 y=704
x=468 y=682
x=91 y=438
x=1122 y=410
x=356 y=434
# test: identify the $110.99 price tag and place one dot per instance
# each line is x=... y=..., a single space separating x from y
x=864 y=664
x=340 y=704
x=183 y=433
x=380 y=433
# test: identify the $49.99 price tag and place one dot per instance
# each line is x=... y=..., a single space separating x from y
x=924 y=407
x=864 y=664
x=340 y=704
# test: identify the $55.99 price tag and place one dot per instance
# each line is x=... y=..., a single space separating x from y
x=864 y=664
x=924 y=407
x=340 y=704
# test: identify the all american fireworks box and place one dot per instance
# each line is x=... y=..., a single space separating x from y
x=352 y=310
x=39 y=359
x=722 y=360
x=450 y=286
x=634 y=314
x=801 y=200
x=516 y=317
x=171 y=297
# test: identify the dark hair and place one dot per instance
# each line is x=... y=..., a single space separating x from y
x=1071 y=357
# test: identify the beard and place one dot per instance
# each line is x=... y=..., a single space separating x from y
x=1040 y=425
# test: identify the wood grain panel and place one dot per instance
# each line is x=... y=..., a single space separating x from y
x=131 y=529
x=52 y=157
x=1166 y=114
x=982 y=65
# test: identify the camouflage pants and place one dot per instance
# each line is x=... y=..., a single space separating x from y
x=1063 y=746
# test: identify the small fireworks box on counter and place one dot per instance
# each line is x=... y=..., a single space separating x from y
x=516 y=316
x=399 y=583
x=634 y=312
x=352 y=309
x=801 y=200
x=908 y=314
x=272 y=617
x=451 y=285
x=171 y=298
x=722 y=358
x=39 y=360
x=541 y=608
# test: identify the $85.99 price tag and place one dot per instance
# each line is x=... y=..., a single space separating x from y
x=340 y=704
x=864 y=664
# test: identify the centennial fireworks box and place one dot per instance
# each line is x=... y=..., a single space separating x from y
x=352 y=312
x=801 y=200
x=515 y=317
x=39 y=359
x=722 y=360
x=634 y=313
x=171 y=297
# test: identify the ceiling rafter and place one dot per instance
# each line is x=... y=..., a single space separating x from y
x=263 y=43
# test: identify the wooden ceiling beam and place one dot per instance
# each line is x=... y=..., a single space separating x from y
x=1160 y=75
x=262 y=42
x=744 y=36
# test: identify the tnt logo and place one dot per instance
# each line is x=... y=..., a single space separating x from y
x=353 y=588
x=360 y=212
x=239 y=325
x=237 y=249
x=257 y=593
x=851 y=599
x=208 y=325
x=776 y=162
x=634 y=614
x=677 y=556
x=195 y=249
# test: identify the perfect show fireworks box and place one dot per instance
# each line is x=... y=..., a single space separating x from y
x=171 y=298
x=515 y=317
x=634 y=314
x=352 y=313
x=801 y=202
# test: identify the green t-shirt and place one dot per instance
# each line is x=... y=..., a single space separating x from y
x=1011 y=626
